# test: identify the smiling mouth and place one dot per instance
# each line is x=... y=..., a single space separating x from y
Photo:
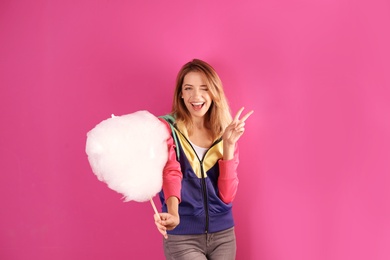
x=197 y=105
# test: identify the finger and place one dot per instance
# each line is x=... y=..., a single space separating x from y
x=164 y=233
x=240 y=130
x=239 y=125
x=238 y=114
x=157 y=217
x=247 y=115
x=161 y=228
x=159 y=225
x=165 y=222
x=231 y=127
x=164 y=216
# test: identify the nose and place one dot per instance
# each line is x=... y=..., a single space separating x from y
x=196 y=92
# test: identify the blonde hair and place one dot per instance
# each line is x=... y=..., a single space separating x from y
x=218 y=116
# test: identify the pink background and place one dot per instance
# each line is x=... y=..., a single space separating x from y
x=314 y=172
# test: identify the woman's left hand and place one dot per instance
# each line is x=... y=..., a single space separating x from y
x=236 y=128
x=233 y=132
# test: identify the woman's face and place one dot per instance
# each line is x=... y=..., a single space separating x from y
x=195 y=94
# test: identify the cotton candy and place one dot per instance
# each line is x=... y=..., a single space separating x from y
x=129 y=153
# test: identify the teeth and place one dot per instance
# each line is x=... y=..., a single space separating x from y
x=197 y=104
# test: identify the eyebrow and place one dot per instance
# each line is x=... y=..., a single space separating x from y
x=193 y=85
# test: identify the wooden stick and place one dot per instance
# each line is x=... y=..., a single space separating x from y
x=154 y=206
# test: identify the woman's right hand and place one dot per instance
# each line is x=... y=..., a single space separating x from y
x=166 y=221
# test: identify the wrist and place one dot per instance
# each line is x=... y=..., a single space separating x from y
x=228 y=151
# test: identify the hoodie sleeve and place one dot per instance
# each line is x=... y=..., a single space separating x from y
x=172 y=175
x=228 y=180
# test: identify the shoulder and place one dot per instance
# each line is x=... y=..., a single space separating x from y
x=169 y=118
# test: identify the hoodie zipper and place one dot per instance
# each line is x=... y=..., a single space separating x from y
x=204 y=188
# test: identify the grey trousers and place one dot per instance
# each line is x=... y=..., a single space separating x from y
x=214 y=246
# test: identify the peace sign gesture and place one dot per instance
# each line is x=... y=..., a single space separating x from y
x=233 y=132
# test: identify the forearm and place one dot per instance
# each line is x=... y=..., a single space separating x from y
x=173 y=205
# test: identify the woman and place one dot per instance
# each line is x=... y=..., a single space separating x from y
x=200 y=179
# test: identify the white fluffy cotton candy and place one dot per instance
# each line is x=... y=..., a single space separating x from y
x=129 y=153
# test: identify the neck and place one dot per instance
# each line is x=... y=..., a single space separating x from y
x=198 y=123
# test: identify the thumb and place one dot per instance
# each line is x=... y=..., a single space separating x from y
x=157 y=217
